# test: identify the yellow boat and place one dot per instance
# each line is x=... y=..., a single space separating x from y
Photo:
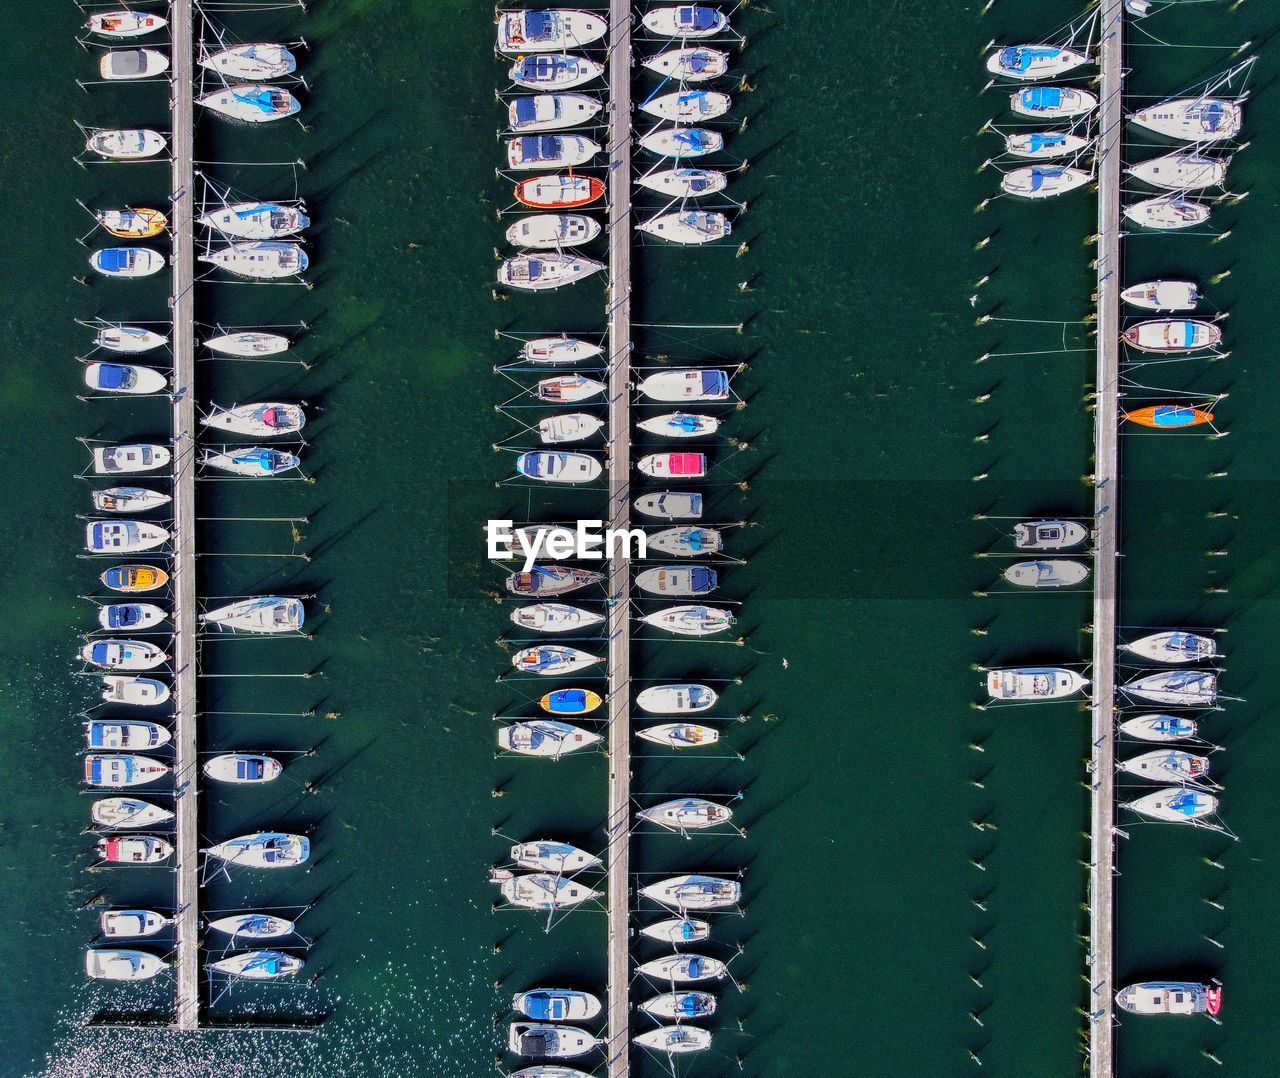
x=571 y=701
x=135 y=578
x=131 y=224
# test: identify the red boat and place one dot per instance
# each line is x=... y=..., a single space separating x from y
x=673 y=465
x=559 y=192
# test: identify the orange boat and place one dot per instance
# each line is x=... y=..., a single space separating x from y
x=1169 y=416
x=131 y=224
x=135 y=578
x=559 y=192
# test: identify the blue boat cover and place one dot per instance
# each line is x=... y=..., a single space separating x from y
x=526 y=109
x=1041 y=142
x=122 y=616
x=689 y=1007
x=688 y=930
x=539 y=25
x=113 y=376
x=540 y=148
x=95 y=772
x=695 y=965
x=1185 y=803
x=1021 y=57
x=1042 y=98
x=115 y=259
x=696 y=17
x=715 y=383
x=96 y=730
x=1173 y=415
x=696 y=539
x=99 y=653
x=250 y=769
x=1211 y=115
x=263 y=100
x=568 y=701
x=702 y=579
x=545 y=1006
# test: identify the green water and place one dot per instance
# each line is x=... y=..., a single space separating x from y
x=858 y=939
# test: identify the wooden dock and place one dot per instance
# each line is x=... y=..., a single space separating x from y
x=618 y=1045
x=1106 y=561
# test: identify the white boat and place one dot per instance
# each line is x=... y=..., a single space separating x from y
x=688 y=226
x=1173 y=335
x=257 y=62
x=259 y=614
x=117 y=772
x=680 y=425
x=117 y=617
x=261 y=926
x=129 y=339
x=541 y=891
x=684 y=968
x=686 y=384
x=682 y=142
x=242 y=768
x=694 y=63
x=686 y=542
x=1180 y=688
x=545 y=737
x=674 y=1040
x=548 y=1070
x=123 y=654
x=687 y=814
x=680 y=735
x=1175 y=804
x=128 y=812
x=1052 y=102
x=551 y=580
x=555 y=350
x=550 y=151
x=256 y=220
x=556 y=1005
x=1049 y=535
x=688 y=106
x=1181 y=171
x=692 y=620
x=681 y=699
x=1042 y=181
x=1170 y=997
x=254 y=462
x=124 y=65
x=1044 y=145
x=1167 y=213
x=115 y=964
x=121 y=459
x=551 y=112
x=542 y=72
x=134 y=850
x=127 y=261
x=137 y=691
x=125 y=24
x=552 y=231
x=552 y=661
x=537 y=273
x=258 y=965
x=673 y=465
x=123 y=536
x=555 y=618
x=260 y=260
x=677 y=581
x=685 y=21
x=263 y=849
x=1051 y=573
x=255 y=103
x=551 y=856
x=670 y=505
x=128 y=500
x=557 y=30
x=1174 y=647
x=677 y=930
x=695 y=892
x=568 y=389
x=128 y=144
x=112 y=736
x=1030 y=63
x=248 y=344
x=557 y=467
x=687 y=1005
x=1159 y=728
x=550 y=1042
x=1192 y=119
x=684 y=182
x=124 y=378
x=115 y=924
x=269 y=419
x=1033 y=683
x=1168 y=765
x=1162 y=295
x=574 y=427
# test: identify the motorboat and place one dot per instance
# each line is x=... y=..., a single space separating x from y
x=256 y=220
x=1162 y=295
x=575 y=427
x=551 y=112
x=550 y=856
x=550 y=1042
x=132 y=224
x=548 y=1070
x=1184 y=688
x=1049 y=534
x=674 y=1040
x=556 y=1005
x=543 y=72
x=260 y=260
x=695 y=892
x=692 y=620
x=678 y=581
x=570 y=702
x=261 y=420
x=116 y=964
x=135 y=691
x=123 y=654
x=257 y=62
x=263 y=849
x=248 y=344
x=122 y=813
x=555 y=350
x=686 y=542
x=129 y=500
x=127 y=261
x=551 y=580
x=542 y=891
x=1181 y=172
x=1170 y=997
x=1192 y=119
x=1169 y=335
x=127 y=65
x=1174 y=646
x=125 y=616
x=670 y=505
x=694 y=63
x=545 y=737
x=112 y=736
x=555 y=618
x=128 y=144
x=1168 y=416
x=679 y=699
x=550 y=660
x=1042 y=181
x=550 y=151
x=1175 y=804
x=680 y=735
x=258 y=965
x=122 y=459
x=1045 y=145
x=688 y=227
x=1030 y=63
x=684 y=968
x=674 y=465
x=134 y=578
x=134 y=850
x=687 y=814
x=115 y=924
x=1033 y=683
x=688 y=106
x=540 y=272
x=559 y=191
x=1052 y=102
x=254 y=462
x=682 y=142
x=685 y=21
x=254 y=103
x=556 y=30
x=123 y=536
x=243 y=768
x=1168 y=765
x=677 y=930
x=684 y=182
x=558 y=467
x=1050 y=573
x=261 y=926
x=1159 y=728
x=553 y=231
x=680 y=425
x=1167 y=213
x=125 y=24
x=568 y=389
x=686 y=1006
x=260 y=614
x=686 y=384
x=129 y=339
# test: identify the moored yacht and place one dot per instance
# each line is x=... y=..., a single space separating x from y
x=680 y=699
x=556 y=1005
x=1049 y=534
x=1159 y=728
x=1170 y=997
x=691 y=620
x=555 y=618
x=1174 y=647
x=549 y=855
x=1183 y=688
x=545 y=737
x=679 y=735
x=1030 y=63
x=1192 y=119
x=1162 y=295
x=1049 y=573
x=687 y=814
x=261 y=614
x=1168 y=765
x=695 y=892
x=678 y=581
x=1033 y=683
x=1175 y=804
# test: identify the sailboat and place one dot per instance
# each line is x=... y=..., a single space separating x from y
x=545 y=737
x=550 y=1042
x=266 y=419
x=552 y=856
x=552 y=231
x=540 y=272
x=1030 y=63
x=257 y=62
x=680 y=735
x=127 y=736
x=568 y=389
x=116 y=924
x=260 y=614
x=673 y=465
x=242 y=768
x=550 y=660
x=1044 y=145
x=1053 y=573
x=574 y=427
x=695 y=892
x=263 y=849
x=260 y=926
x=1170 y=997
x=123 y=654
x=135 y=691
x=551 y=112
x=543 y=72
x=692 y=620
x=1170 y=335
x=678 y=581
x=1049 y=534
x=551 y=580
x=133 y=224
x=129 y=500
x=1159 y=728
x=1185 y=688
x=688 y=106
x=127 y=261
x=685 y=21
x=1168 y=416
x=680 y=425
x=1181 y=171
x=1033 y=683
x=256 y=220
x=674 y=1040
x=1175 y=804
x=670 y=505
x=690 y=227
x=1192 y=119
x=251 y=343
x=677 y=930
x=555 y=618
x=677 y=699
x=687 y=814
x=128 y=65
x=1162 y=295
x=258 y=965
x=1168 y=765
x=1052 y=102
x=542 y=891
x=686 y=384
x=556 y=1005
x=129 y=144
x=682 y=142
x=687 y=1006
x=118 y=617
x=253 y=462
x=686 y=542
x=129 y=339
x=1167 y=213
x=123 y=536
x=562 y=349
x=123 y=813
x=1042 y=181
x=122 y=459
x=559 y=191
x=260 y=260
x=681 y=183
x=116 y=964
x=695 y=63
x=558 y=467
x=134 y=850
x=1174 y=647
x=557 y=30
x=255 y=103
x=124 y=24
x=683 y=968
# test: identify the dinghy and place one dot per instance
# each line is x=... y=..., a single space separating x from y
x=1052 y=102
x=1053 y=573
x=550 y=856
x=1173 y=804
x=680 y=735
x=129 y=144
x=123 y=536
x=259 y=926
x=686 y=542
x=687 y=814
x=136 y=691
x=542 y=72
x=1168 y=765
x=127 y=736
x=545 y=737
x=559 y=191
x=678 y=581
x=1192 y=119
x=1183 y=688
x=688 y=106
x=689 y=227
x=551 y=580
x=680 y=425
x=260 y=614
x=570 y=702
x=695 y=892
x=691 y=620
x=550 y=151
x=115 y=924
x=696 y=63
x=258 y=965
x=1174 y=647
x=1044 y=145
x=1033 y=683
x=550 y=1042
x=122 y=459
x=127 y=261
x=684 y=182
x=677 y=930
x=1167 y=213
x=1159 y=728
x=549 y=660
x=134 y=850
x=1168 y=416
x=243 y=767
x=576 y=427
x=556 y=1005
x=550 y=112
x=254 y=103
x=674 y=465
x=686 y=384
x=123 y=654
x=118 y=616
x=262 y=420
x=1042 y=181
x=1181 y=172
x=131 y=224
x=1169 y=335
x=681 y=142
x=685 y=1006
x=254 y=462
x=685 y=21
x=134 y=578
x=555 y=618
x=674 y=1040
x=1030 y=63
x=1162 y=296
x=256 y=220
x=128 y=500
x=1049 y=534
x=127 y=65
x=1170 y=997
x=684 y=968
x=680 y=699
x=128 y=339
x=248 y=344
x=670 y=505
x=555 y=467
x=104 y=964
x=263 y=849
x=553 y=231
x=123 y=24
x=128 y=812
x=258 y=62
x=542 y=891
x=557 y=30
x=260 y=260
x=562 y=349
x=537 y=273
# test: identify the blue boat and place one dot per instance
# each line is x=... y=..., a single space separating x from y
x=570 y=702
x=127 y=261
x=130 y=615
x=556 y=1004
